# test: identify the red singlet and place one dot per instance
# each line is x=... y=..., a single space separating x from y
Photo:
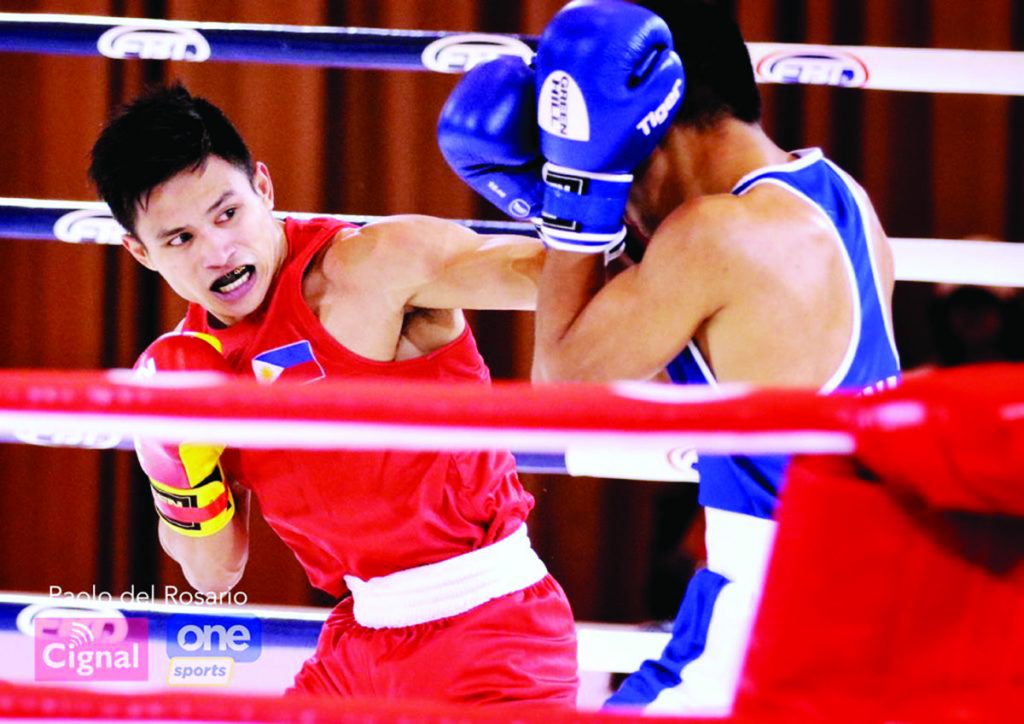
x=372 y=513
x=365 y=513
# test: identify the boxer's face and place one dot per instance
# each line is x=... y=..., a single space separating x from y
x=211 y=235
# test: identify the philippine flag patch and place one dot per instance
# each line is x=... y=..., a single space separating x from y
x=293 y=363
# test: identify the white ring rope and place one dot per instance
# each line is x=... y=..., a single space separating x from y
x=872 y=67
x=931 y=70
x=923 y=260
x=992 y=263
x=663 y=420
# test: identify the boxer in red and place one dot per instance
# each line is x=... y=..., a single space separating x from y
x=442 y=596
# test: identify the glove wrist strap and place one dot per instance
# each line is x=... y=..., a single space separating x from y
x=581 y=243
x=554 y=174
x=583 y=210
x=198 y=511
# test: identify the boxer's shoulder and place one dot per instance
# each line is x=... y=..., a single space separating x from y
x=392 y=248
x=704 y=228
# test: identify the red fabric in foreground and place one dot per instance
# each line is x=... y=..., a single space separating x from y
x=885 y=600
x=966 y=452
x=877 y=607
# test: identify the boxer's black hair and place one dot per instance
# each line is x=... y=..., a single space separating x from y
x=153 y=138
x=719 y=78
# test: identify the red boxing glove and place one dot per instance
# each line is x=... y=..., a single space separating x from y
x=189 y=488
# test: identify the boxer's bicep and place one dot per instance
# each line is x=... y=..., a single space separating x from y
x=431 y=263
x=460 y=269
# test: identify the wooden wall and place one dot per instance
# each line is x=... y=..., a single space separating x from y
x=362 y=142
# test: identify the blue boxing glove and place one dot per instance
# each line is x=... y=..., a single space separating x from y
x=609 y=85
x=488 y=135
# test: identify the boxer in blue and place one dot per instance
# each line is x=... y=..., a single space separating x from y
x=760 y=265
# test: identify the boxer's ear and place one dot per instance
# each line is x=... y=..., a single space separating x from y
x=138 y=250
x=263 y=185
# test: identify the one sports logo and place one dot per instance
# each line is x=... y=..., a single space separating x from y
x=818 y=66
x=203 y=649
x=461 y=52
x=237 y=637
x=154 y=44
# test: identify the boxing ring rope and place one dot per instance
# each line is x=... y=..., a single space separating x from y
x=603 y=647
x=90 y=222
x=412 y=415
x=902 y=69
x=28 y=702
x=574 y=461
x=173 y=406
x=103 y=410
x=922 y=260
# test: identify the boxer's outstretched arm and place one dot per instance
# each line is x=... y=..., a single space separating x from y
x=434 y=263
x=215 y=563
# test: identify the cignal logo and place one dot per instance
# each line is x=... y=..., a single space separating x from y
x=154 y=44
x=203 y=649
x=458 y=53
x=88 y=226
x=91 y=649
x=823 y=66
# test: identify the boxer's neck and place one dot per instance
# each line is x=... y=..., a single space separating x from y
x=691 y=162
x=713 y=160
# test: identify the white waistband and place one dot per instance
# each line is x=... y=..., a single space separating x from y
x=447 y=588
x=738 y=545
